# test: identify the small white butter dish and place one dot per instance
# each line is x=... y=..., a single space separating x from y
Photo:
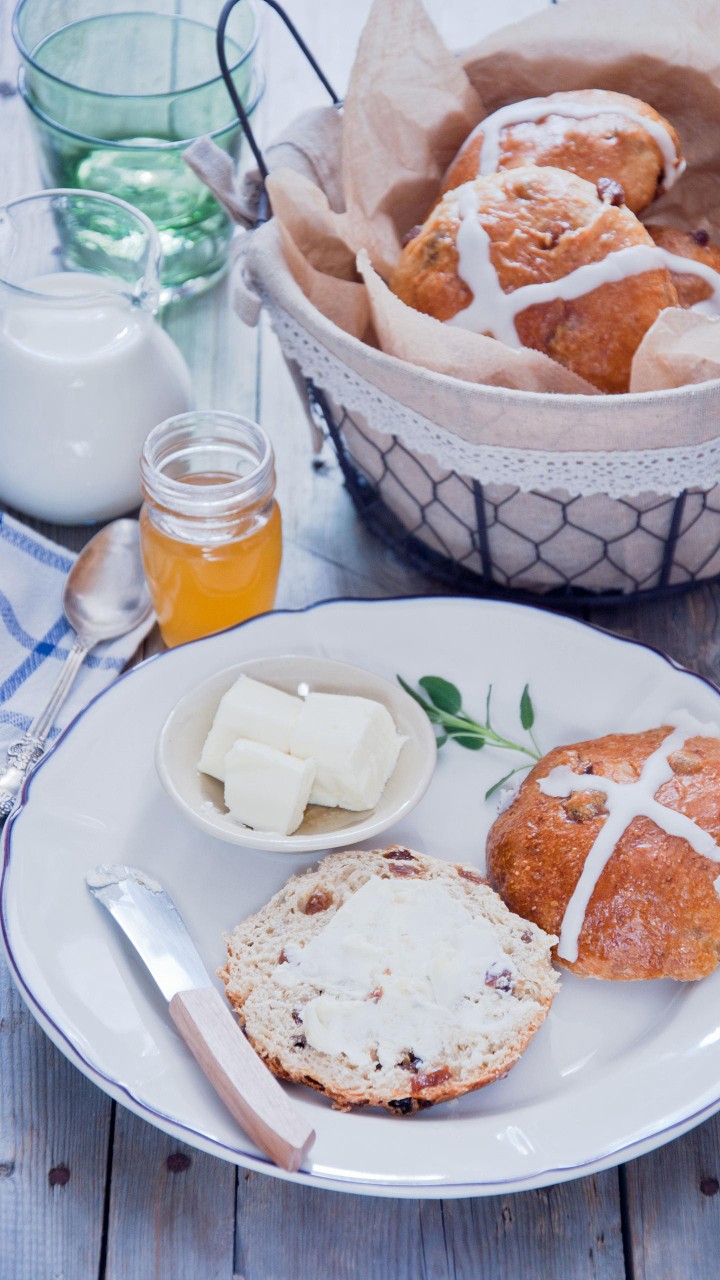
x=201 y=797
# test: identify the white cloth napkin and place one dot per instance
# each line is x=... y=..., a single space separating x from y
x=35 y=635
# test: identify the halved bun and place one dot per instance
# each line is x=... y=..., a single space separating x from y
x=282 y=995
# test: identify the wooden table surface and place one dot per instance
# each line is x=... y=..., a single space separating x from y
x=88 y=1191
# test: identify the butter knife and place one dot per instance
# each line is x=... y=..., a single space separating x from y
x=150 y=920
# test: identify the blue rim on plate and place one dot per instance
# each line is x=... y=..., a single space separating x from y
x=323 y=1176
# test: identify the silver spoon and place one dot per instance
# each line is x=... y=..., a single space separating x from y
x=105 y=596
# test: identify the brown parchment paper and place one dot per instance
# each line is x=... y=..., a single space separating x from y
x=412 y=336
x=681 y=348
x=664 y=51
x=408 y=108
x=410 y=105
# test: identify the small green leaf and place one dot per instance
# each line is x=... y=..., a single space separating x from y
x=487 y=706
x=472 y=741
x=442 y=693
x=527 y=711
x=500 y=783
x=441 y=740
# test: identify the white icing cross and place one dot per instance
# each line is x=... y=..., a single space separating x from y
x=493 y=311
x=534 y=109
x=626 y=801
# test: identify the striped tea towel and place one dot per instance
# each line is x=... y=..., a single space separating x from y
x=35 y=635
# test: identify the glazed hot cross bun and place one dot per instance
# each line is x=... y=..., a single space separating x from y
x=538 y=257
x=612 y=845
x=697 y=286
x=597 y=134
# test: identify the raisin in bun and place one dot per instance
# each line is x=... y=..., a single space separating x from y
x=537 y=226
x=654 y=911
x=385 y=978
x=624 y=140
x=696 y=245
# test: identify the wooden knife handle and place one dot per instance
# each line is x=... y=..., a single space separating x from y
x=240 y=1077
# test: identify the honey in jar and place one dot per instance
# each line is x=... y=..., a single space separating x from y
x=210 y=526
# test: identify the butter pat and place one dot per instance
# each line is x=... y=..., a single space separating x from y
x=265 y=788
x=253 y=710
x=355 y=745
x=426 y=954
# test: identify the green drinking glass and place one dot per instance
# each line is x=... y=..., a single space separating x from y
x=117 y=89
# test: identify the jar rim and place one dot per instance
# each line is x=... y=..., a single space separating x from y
x=190 y=433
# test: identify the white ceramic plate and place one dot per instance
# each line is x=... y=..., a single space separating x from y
x=617 y=1068
x=200 y=797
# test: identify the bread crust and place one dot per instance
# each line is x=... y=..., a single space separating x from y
x=544 y=223
x=608 y=145
x=655 y=912
x=688 y=244
x=299 y=911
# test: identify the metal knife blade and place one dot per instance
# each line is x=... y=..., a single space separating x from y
x=149 y=918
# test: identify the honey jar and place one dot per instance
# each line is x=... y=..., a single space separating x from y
x=210 y=526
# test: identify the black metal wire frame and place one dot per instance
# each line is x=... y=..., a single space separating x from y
x=374 y=512
x=265 y=210
x=385 y=525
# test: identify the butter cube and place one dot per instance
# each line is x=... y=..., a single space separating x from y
x=249 y=709
x=266 y=789
x=355 y=745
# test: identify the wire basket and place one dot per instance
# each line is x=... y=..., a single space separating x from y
x=487 y=538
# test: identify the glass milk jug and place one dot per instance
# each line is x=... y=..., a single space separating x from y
x=85 y=369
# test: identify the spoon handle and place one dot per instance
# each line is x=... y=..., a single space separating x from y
x=25 y=753
x=45 y=719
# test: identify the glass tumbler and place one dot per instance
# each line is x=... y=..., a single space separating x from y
x=117 y=89
x=210 y=527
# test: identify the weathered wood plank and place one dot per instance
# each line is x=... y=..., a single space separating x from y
x=687 y=627
x=674 y=1207
x=21 y=171
x=286 y=1232
x=54 y=1129
x=171 y=1208
x=221 y=352
x=570 y=1230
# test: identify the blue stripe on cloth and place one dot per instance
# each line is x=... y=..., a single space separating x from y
x=23 y=637
x=45 y=555
x=22 y=722
x=35 y=659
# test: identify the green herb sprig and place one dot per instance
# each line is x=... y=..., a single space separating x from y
x=445 y=709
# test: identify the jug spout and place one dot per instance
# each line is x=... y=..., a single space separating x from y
x=85 y=234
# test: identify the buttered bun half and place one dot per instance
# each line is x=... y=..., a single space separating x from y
x=390 y=979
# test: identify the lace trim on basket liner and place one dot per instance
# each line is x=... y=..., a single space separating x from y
x=616 y=474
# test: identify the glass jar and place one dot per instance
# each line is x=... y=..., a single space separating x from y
x=210 y=526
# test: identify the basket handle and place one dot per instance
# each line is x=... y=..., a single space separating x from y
x=235 y=97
